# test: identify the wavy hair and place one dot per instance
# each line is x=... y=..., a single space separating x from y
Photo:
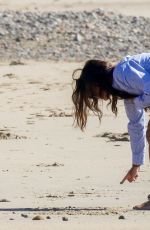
x=95 y=73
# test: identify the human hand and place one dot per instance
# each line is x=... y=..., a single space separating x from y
x=132 y=174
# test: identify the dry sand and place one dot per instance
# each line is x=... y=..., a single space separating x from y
x=46 y=163
x=128 y=7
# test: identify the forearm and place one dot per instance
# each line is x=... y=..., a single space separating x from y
x=136 y=129
x=137 y=141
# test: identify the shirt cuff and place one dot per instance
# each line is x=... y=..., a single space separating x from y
x=138 y=159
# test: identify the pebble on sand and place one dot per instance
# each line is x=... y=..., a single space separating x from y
x=64 y=218
x=121 y=217
x=38 y=218
x=24 y=215
x=4 y=200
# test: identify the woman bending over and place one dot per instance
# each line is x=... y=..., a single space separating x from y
x=128 y=80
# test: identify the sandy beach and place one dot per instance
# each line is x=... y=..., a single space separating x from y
x=70 y=179
x=49 y=168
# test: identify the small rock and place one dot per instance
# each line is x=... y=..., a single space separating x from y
x=121 y=217
x=79 y=38
x=24 y=215
x=38 y=218
x=48 y=217
x=17 y=40
x=9 y=75
x=4 y=200
x=56 y=164
x=64 y=218
x=3 y=33
x=71 y=194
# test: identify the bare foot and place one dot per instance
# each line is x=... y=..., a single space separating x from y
x=143 y=206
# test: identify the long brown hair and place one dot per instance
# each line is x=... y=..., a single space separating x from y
x=94 y=73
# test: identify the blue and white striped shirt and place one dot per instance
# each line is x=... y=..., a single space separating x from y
x=132 y=75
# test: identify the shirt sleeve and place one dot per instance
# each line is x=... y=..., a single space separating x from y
x=136 y=129
x=132 y=75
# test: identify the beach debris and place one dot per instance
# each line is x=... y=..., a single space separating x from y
x=5 y=135
x=71 y=194
x=53 y=196
x=56 y=209
x=16 y=62
x=115 y=136
x=64 y=218
x=4 y=200
x=38 y=218
x=6 y=170
x=9 y=75
x=60 y=114
x=24 y=215
x=71 y=210
x=55 y=164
